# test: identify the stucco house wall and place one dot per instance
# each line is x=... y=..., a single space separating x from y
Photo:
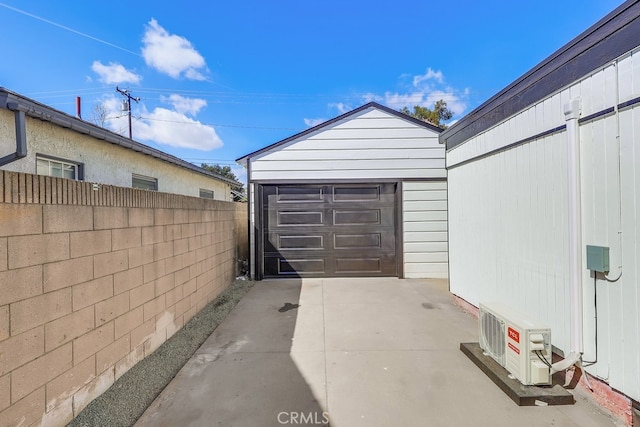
x=108 y=158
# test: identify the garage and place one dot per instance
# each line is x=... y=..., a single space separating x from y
x=329 y=230
x=360 y=195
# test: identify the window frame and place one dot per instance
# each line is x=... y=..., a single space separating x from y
x=145 y=178
x=78 y=166
x=204 y=190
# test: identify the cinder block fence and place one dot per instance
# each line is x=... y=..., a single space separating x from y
x=93 y=279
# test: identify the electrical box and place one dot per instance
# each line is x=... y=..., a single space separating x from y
x=598 y=258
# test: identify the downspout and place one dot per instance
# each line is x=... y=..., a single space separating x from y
x=21 y=135
x=572 y=112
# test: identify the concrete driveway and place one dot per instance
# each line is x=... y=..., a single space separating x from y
x=359 y=352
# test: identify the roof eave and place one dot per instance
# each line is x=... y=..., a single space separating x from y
x=610 y=37
x=243 y=160
x=43 y=112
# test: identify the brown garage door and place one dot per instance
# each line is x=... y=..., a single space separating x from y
x=329 y=230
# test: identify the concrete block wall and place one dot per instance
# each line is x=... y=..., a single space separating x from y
x=94 y=279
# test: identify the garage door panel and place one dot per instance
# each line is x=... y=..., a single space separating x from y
x=294 y=266
x=292 y=194
x=291 y=243
x=384 y=265
x=350 y=193
x=357 y=241
x=350 y=232
x=357 y=217
x=300 y=218
x=359 y=265
x=333 y=265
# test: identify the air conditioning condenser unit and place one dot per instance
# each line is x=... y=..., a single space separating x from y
x=519 y=345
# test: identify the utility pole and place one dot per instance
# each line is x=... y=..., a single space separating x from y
x=126 y=104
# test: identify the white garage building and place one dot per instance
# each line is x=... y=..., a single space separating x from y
x=363 y=194
x=545 y=168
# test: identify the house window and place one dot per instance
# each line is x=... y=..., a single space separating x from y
x=60 y=168
x=206 y=194
x=144 y=182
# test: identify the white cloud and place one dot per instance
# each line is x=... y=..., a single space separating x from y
x=341 y=107
x=314 y=122
x=162 y=126
x=172 y=54
x=454 y=101
x=424 y=90
x=372 y=97
x=184 y=105
x=172 y=128
x=428 y=75
x=114 y=73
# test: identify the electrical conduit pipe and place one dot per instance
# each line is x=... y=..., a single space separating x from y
x=572 y=112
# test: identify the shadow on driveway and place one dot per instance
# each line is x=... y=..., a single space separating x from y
x=251 y=371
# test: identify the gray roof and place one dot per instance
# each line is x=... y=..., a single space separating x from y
x=14 y=101
x=611 y=37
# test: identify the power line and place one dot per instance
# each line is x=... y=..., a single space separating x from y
x=204 y=124
x=216 y=125
x=251 y=96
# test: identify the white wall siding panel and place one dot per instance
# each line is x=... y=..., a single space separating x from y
x=629 y=285
x=363 y=144
x=389 y=132
x=425 y=229
x=425 y=205
x=506 y=232
x=315 y=164
x=361 y=154
x=425 y=226
x=629 y=80
x=426 y=236
x=345 y=175
x=426 y=270
x=415 y=247
x=426 y=257
x=425 y=216
x=371 y=145
x=508 y=218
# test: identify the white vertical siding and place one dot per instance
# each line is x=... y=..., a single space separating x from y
x=506 y=235
x=508 y=218
x=370 y=145
x=627 y=290
x=424 y=216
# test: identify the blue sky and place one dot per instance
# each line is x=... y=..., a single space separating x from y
x=218 y=80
